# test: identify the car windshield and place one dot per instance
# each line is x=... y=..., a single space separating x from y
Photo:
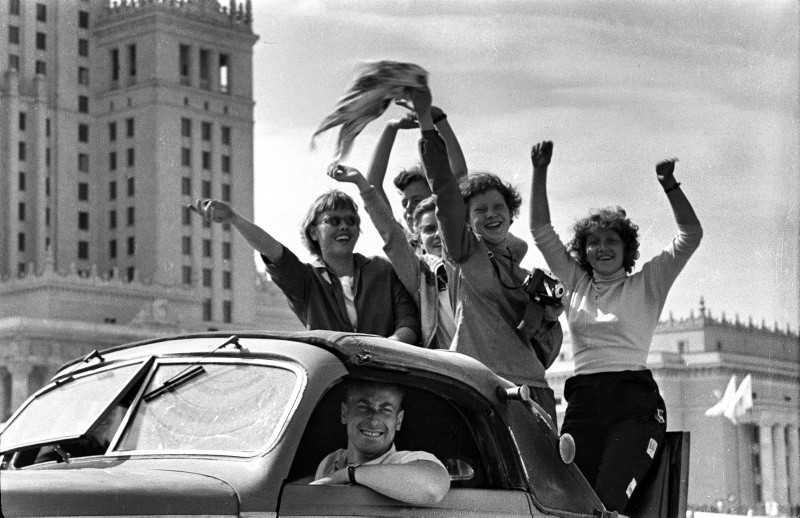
x=231 y=407
x=69 y=408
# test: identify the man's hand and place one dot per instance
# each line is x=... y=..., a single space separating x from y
x=346 y=174
x=216 y=211
x=541 y=154
x=408 y=121
x=664 y=172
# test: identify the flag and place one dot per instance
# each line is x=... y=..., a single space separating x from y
x=742 y=400
x=725 y=400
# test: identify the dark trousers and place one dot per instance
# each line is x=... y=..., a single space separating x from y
x=618 y=420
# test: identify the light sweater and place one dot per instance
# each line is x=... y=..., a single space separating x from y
x=612 y=318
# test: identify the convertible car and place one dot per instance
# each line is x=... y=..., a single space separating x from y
x=234 y=426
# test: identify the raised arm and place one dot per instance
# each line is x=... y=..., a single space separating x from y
x=541 y=154
x=220 y=212
x=458 y=164
x=684 y=213
x=421 y=482
x=376 y=173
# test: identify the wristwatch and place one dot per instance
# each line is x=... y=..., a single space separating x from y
x=351 y=473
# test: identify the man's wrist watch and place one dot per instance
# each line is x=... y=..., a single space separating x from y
x=351 y=473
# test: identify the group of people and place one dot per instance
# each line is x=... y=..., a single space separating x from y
x=452 y=279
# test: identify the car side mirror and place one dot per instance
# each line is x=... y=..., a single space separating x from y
x=459 y=470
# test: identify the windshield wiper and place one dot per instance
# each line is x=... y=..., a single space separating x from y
x=190 y=372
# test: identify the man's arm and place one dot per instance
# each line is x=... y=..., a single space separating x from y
x=681 y=208
x=455 y=155
x=220 y=212
x=541 y=154
x=421 y=482
x=380 y=158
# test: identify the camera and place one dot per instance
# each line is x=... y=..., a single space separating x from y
x=543 y=288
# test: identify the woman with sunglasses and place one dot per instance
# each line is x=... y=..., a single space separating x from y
x=341 y=290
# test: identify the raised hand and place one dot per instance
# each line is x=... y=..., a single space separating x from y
x=216 y=211
x=346 y=174
x=408 y=121
x=665 y=170
x=541 y=154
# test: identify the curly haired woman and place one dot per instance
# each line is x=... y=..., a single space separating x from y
x=614 y=410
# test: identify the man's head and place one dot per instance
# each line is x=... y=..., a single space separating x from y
x=372 y=413
x=413 y=188
x=426 y=227
x=492 y=205
x=331 y=225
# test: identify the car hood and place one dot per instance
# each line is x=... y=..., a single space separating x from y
x=117 y=491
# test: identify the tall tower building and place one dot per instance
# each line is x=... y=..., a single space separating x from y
x=114 y=117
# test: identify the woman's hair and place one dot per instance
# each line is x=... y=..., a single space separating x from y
x=610 y=218
x=426 y=205
x=480 y=183
x=408 y=176
x=331 y=200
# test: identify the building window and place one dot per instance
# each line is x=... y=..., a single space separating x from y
x=131 y=245
x=185 y=64
x=186 y=186
x=226 y=192
x=112 y=219
x=224 y=73
x=186 y=245
x=22 y=152
x=131 y=157
x=13 y=7
x=186 y=127
x=227 y=311
x=226 y=135
x=206 y=160
x=21 y=241
x=41 y=13
x=83 y=250
x=21 y=181
x=41 y=41
x=47 y=157
x=226 y=164
x=206 y=130
x=83 y=133
x=83 y=47
x=206 y=248
x=41 y=67
x=83 y=19
x=83 y=220
x=131 y=186
x=112 y=249
x=83 y=191
x=112 y=190
x=226 y=251
x=112 y=131
x=83 y=162
x=131 y=273
x=227 y=280
x=187 y=275
x=23 y=121
x=208 y=314
x=205 y=69
x=206 y=189
x=83 y=104
x=114 y=65
x=21 y=211
x=186 y=216
x=130 y=127
x=83 y=75
x=131 y=216
x=132 y=61
x=112 y=161
x=47 y=127
x=207 y=274
x=186 y=157
x=13 y=34
x=13 y=62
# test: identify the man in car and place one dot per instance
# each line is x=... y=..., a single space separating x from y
x=372 y=413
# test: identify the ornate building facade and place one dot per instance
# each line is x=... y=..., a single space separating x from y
x=754 y=463
x=114 y=117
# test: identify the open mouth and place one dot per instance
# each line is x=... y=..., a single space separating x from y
x=343 y=238
x=371 y=433
x=494 y=225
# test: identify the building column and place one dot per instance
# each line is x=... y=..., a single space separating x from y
x=779 y=443
x=794 y=464
x=766 y=456
x=744 y=437
x=19 y=383
x=5 y=394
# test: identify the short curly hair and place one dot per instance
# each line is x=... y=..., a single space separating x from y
x=481 y=183
x=610 y=218
x=331 y=200
x=408 y=176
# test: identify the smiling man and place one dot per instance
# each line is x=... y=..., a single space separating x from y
x=341 y=290
x=372 y=413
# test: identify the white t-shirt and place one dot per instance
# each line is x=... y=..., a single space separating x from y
x=338 y=460
x=349 y=299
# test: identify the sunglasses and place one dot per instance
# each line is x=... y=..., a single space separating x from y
x=335 y=221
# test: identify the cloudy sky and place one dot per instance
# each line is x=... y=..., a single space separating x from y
x=616 y=85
